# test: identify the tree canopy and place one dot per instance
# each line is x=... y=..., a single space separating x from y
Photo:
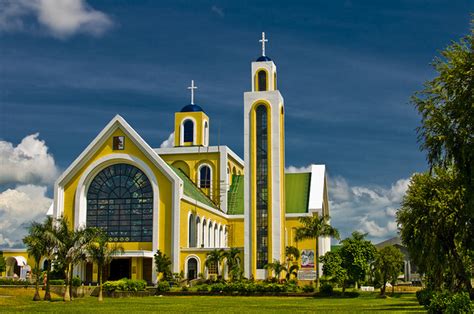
x=388 y=263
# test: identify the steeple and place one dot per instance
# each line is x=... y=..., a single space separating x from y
x=191 y=124
x=264 y=179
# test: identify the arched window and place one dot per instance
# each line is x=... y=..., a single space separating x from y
x=204 y=233
x=192 y=231
x=205 y=177
x=198 y=232
x=216 y=237
x=192 y=268
x=120 y=201
x=210 y=234
x=262 y=80
x=188 y=131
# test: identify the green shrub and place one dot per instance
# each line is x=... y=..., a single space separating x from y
x=163 y=286
x=203 y=288
x=217 y=288
x=56 y=282
x=125 y=285
x=308 y=288
x=424 y=296
x=76 y=281
x=184 y=288
x=446 y=302
x=326 y=289
x=12 y=282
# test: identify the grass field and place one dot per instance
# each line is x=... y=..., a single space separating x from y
x=20 y=300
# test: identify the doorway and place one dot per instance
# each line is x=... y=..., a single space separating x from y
x=120 y=268
x=192 y=268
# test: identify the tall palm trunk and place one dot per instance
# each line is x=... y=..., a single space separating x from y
x=37 y=275
x=100 y=273
x=47 y=293
x=67 y=296
x=70 y=283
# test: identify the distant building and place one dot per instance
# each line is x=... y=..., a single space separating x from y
x=410 y=270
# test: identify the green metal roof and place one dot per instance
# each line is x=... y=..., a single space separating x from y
x=297 y=192
x=191 y=189
x=235 y=205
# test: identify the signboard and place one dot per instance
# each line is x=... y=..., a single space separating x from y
x=307 y=259
x=307 y=274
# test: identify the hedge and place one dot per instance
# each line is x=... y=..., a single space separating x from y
x=125 y=285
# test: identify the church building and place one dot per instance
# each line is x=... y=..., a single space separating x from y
x=193 y=198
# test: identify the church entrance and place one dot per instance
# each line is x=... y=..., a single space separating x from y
x=120 y=268
x=192 y=268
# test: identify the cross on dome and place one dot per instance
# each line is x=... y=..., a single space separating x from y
x=192 y=88
x=263 y=41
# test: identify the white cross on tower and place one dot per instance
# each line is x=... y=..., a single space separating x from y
x=192 y=88
x=263 y=41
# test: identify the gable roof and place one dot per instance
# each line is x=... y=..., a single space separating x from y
x=114 y=124
x=235 y=196
x=190 y=189
x=297 y=188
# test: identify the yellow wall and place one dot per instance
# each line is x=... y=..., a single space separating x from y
x=309 y=244
x=164 y=185
x=199 y=120
x=236 y=233
x=7 y=254
x=193 y=161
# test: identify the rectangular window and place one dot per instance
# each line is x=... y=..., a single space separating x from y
x=212 y=269
x=119 y=143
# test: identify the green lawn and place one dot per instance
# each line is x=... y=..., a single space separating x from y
x=19 y=300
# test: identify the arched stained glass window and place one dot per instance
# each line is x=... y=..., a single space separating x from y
x=205 y=177
x=120 y=201
x=188 y=131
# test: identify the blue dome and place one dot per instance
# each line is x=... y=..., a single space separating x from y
x=264 y=58
x=191 y=108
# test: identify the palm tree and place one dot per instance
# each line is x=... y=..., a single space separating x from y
x=71 y=246
x=162 y=265
x=233 y=262
x=292 y=255
x=36 y=249
x=100 y=252
x=313 y=228
x=277 y=267
x=214 y=257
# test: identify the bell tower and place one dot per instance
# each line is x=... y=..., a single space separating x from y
x=191 y=124
x=264 y=154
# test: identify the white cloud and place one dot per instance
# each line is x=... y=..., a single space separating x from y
x=293 y=169
x=61 y=18
x=18 y=207
x=217 y=10
x=29 y=162
x=369 y=209
x=169 y=142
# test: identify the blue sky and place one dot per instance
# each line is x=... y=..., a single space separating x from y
x=346 y=71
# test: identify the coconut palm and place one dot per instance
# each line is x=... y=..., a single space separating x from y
x=71 y=249
x=99 y=251
x=313 y=228
x=277 y=267
x=35 y=247
x=233 y=262
x=214 y=257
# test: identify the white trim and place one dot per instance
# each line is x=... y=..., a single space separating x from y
x=192 y=201
x=181 y=130
x=296 y=215
x=162 y=166
x=186 y=265
x=80 y=212
x=135 y=253
x=198 y=149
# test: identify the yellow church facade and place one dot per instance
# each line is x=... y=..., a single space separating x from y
x=192 y=198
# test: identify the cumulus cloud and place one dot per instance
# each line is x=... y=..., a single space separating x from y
x=293 y=169
x=169 y=142
x=369 y=209
x=29 y=162
x=18 y=208
x=60 y=18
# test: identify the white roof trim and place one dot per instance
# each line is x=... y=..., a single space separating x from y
x=316 y=193
x=138 y=253
x=198 y=149
x=50 y=210
x=116 y=122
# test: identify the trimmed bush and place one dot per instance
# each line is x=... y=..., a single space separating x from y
x=203 y=288
x=12 y=282
x=445 y=302
x=163 y=286
x=125 y=285
x=218 y=288
x=308 y=288
x=424 y=297
x=184 y=288
x=76 y=281
x=326 y=289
